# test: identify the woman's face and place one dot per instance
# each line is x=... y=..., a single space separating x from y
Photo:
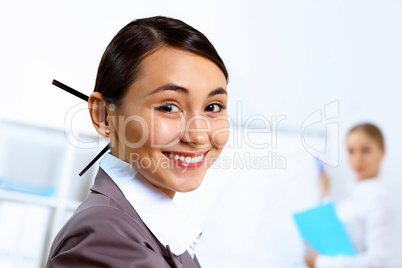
x=365 y=154
x=173 y=121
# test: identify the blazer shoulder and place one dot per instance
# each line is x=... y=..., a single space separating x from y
x=103 y=235
x=106 y=231
x=99 y=213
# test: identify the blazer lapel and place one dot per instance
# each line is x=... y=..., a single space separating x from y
x=182 y=261
x=172 y=260
x=196 y=262
x=189 y=262
x=106 y=186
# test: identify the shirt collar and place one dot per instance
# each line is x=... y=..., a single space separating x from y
x=160 y=214
x=371 y=182
x=369 y=187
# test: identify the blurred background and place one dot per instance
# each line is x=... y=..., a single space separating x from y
x=302 y=72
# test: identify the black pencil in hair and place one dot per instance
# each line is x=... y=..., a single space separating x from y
x=85 y=98
x=70 y=90
x=95 y=159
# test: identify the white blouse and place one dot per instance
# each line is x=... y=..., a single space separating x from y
x=160 y=214
x=368 y=219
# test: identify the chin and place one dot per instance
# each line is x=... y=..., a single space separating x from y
x=186 y=186
x=187 y=190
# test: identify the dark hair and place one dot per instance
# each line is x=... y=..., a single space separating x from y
x=372 y=131
x=120 y=65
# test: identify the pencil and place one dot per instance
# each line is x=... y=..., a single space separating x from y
x=85 y=98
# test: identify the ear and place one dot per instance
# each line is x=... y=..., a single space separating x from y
x=99 y=114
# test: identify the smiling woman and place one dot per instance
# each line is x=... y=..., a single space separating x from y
x=161 y=97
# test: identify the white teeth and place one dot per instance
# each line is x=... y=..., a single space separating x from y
x=185 y=159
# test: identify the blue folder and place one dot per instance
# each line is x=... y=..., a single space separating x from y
x=322 y=229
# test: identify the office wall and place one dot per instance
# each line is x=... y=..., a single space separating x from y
x=285 y=58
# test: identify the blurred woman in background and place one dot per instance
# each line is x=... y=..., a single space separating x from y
x=366 y=212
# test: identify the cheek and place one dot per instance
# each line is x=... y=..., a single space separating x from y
x=353 y=160
x=375 y=160
x=220 y=132
x=165 y=131
x=133 y=131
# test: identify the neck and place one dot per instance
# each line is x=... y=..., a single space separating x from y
x=367 y=177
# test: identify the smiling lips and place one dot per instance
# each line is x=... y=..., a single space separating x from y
x=186 y=159
x=359 y=169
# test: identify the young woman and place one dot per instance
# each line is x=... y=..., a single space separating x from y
x=366 y=213
x=160 y=96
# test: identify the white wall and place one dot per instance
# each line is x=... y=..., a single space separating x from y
x=284 y=58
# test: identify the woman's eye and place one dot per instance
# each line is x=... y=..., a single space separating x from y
x=169 y=108
x=214 y=107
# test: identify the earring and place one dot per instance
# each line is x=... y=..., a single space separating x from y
x=108 y=131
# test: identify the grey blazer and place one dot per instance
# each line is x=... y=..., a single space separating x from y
x=106 y=231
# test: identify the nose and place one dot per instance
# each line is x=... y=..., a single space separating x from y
x=357 y=158
x=197 y=131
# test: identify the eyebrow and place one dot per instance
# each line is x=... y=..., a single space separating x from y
x=217 y=91
x=170 y=86
x=180 y=89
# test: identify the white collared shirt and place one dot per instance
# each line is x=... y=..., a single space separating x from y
x=159 y=213
x=368 y=218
